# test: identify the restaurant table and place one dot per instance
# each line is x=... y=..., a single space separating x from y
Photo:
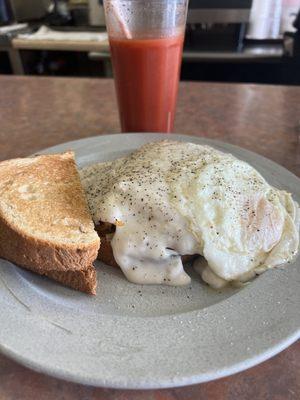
x=39 y=112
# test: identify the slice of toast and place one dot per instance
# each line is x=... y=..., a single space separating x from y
x=45 y=225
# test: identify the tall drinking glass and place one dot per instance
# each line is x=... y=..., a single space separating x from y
x=146 y=40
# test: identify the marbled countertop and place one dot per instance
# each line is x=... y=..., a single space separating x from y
x=39 y=112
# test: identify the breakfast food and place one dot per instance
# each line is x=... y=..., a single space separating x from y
x=161 y=205
x=169 y=199
x=45 y=225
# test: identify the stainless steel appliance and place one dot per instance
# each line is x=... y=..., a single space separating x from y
x=219 y=11
x=217 y=25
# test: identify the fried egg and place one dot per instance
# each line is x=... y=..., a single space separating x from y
x=169 y=199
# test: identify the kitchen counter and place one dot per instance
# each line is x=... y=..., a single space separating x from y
x=39 y=112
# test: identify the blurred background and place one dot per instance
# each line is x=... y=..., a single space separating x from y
x=226 y=40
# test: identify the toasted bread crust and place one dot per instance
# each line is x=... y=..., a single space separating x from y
x=84 y=281
x=34 y=256
x=42 y=256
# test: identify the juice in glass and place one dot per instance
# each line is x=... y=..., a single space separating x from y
x=146 y=56
x=146 y=77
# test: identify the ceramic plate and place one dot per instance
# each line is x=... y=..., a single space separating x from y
x=132 y=336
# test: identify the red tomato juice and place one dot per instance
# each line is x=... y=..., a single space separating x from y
x=146 y=75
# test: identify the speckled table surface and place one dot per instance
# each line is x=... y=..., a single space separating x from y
x=39 y=112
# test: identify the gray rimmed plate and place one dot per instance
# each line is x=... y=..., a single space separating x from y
x=132 y=336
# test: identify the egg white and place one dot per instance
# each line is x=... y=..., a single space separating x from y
x=245 y=225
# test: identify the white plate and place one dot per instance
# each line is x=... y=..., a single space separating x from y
x=132 y=336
